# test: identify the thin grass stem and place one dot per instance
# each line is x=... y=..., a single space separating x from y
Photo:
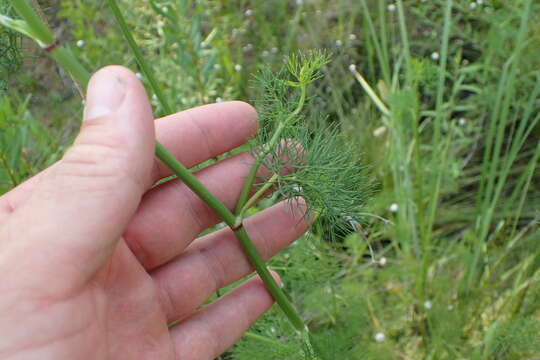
x=139 y=57
x=371 y=93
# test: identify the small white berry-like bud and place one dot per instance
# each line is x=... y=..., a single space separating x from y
x=392 y=7
x=139 y=75
x=237 y=67
x=218 y=99
x=394 y=208
x=217 y=66
x=379 y=337
x=352 y=67
x=435 y=56
x=339 y=42
x=473 y=5
x=154 y=97
x=462 y=121
x=80 y=43
x=352 y=37
x=382 y=261
x=428 y=305
x=248 y=12
x=265 y=53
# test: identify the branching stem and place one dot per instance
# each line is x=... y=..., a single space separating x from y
x=253 y=199
x=266 y=150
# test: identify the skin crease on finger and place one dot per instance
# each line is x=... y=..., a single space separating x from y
x=72 y=288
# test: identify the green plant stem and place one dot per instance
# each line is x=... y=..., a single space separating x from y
x=139 y=56
x=39 y=29
x=231 y=220
x=44 y=37
x=244 y=194
x=195 y=185
x=253 y=199
x=272 y=286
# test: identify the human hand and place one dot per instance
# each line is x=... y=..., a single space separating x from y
x=95 y=262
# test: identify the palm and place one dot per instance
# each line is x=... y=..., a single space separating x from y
x=115 y=316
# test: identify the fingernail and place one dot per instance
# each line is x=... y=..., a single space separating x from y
x=105 y=94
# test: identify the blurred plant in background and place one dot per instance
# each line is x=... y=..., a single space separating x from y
x=441 y=98
x=10 y=56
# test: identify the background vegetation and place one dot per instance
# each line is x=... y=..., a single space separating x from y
x=446 y=263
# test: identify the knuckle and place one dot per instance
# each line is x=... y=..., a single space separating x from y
x=102 y=162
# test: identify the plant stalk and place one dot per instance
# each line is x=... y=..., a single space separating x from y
x=139 y=57
x=244 y=194
x=252 y=200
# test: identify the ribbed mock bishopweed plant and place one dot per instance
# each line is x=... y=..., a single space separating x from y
x=309 y=159
x=308 y=156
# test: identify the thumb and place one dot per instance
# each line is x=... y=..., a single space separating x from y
x=79 y=210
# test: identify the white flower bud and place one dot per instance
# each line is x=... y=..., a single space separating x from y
x=379 y=337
